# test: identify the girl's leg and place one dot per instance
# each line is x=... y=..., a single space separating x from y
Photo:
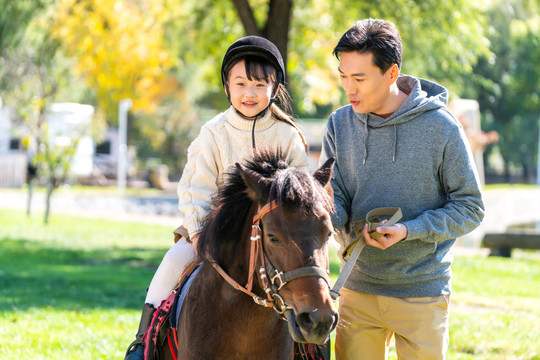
x=165 y=279
x=169 y=271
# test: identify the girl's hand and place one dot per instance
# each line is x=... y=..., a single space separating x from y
x=194 y=239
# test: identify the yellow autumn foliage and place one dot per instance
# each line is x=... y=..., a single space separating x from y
x=120 y=50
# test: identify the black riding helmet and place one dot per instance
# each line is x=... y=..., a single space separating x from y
x=256 y=46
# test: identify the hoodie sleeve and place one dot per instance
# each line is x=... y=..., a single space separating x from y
x=464 y=209
x=342 y=202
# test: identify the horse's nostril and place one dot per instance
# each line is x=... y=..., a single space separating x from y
x=316 y=321
x=316 y=326
x=335 y=317
x=305 y=320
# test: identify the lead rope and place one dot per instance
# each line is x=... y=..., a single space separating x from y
x=354 y=249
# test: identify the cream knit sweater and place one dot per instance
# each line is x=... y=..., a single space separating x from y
x=224 y=140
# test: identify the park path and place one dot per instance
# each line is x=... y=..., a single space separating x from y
x=504 y=207
x=159 y=208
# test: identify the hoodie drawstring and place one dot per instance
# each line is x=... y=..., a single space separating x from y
x=395 y=144
x=366 y=138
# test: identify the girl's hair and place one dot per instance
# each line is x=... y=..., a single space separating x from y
x=259 y=68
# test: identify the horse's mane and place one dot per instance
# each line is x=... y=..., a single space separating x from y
x=292 y=188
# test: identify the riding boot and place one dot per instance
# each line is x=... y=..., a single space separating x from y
x=135 y=350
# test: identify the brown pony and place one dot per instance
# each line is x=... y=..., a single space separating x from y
x=267 y=237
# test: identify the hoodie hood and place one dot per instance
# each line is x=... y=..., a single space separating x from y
x=424 y=96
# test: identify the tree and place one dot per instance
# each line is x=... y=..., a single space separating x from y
x=442 y=39
x=55 y=161
x=276 y=26
x=33 y=74
x=15 y=17
x=506 y=83
x=119 y=50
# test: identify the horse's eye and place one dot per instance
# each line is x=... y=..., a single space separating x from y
x=273 y=239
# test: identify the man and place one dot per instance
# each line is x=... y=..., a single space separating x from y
x=396 y=145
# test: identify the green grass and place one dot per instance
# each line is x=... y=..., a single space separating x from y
x=496 y=308
x=73 y=289
x=510 y=186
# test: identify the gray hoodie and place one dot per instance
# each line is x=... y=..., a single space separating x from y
x=417 y=159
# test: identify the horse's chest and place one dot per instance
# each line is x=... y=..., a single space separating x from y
x=237 y=330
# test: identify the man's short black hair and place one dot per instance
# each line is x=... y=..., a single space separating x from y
x=378 y=37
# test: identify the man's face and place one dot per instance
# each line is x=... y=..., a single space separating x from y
x=365 y=85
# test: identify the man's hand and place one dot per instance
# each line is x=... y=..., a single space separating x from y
x=390 y=235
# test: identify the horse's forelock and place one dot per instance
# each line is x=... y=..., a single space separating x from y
x=297 y=189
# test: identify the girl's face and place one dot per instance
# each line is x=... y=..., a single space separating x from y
x=249 y=97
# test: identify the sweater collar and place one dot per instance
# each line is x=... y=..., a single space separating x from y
x=242 y=124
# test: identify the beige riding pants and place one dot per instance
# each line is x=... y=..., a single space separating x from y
x=368 y=322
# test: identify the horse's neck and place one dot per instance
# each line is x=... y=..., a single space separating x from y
x=235 y=256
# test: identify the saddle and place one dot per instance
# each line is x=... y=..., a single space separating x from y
x=163 y=326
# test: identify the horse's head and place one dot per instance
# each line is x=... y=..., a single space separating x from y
x=295 y=233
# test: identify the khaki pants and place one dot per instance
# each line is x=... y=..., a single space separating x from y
x=367 y=323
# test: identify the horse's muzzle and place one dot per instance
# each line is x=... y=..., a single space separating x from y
x=311 y=326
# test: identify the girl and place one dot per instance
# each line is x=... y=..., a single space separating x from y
x=252 y=73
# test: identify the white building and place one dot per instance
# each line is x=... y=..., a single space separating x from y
x=66 y=121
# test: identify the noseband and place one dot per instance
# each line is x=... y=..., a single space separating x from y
x=272 y=279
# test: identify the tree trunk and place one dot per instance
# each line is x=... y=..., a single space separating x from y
x=29 y=201
x=525 y=170
x=50 y=189
x=277 y=23
x=246 y=17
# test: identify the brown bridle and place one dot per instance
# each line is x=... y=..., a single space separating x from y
x=271 y=287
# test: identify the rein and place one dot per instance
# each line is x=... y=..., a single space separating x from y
x=278 y=279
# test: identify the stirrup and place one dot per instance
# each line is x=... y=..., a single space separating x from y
x=134 y=345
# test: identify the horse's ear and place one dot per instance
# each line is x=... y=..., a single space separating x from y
x=324 y=173
x=255 y=182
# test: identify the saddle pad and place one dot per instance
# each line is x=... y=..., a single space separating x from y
x=181 y=296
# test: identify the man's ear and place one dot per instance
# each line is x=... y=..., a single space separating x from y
x=394 y=73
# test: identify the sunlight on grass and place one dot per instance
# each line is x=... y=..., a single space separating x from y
x=80 y=233
x=51 y=334
x=73 y=289
x=495 y=311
